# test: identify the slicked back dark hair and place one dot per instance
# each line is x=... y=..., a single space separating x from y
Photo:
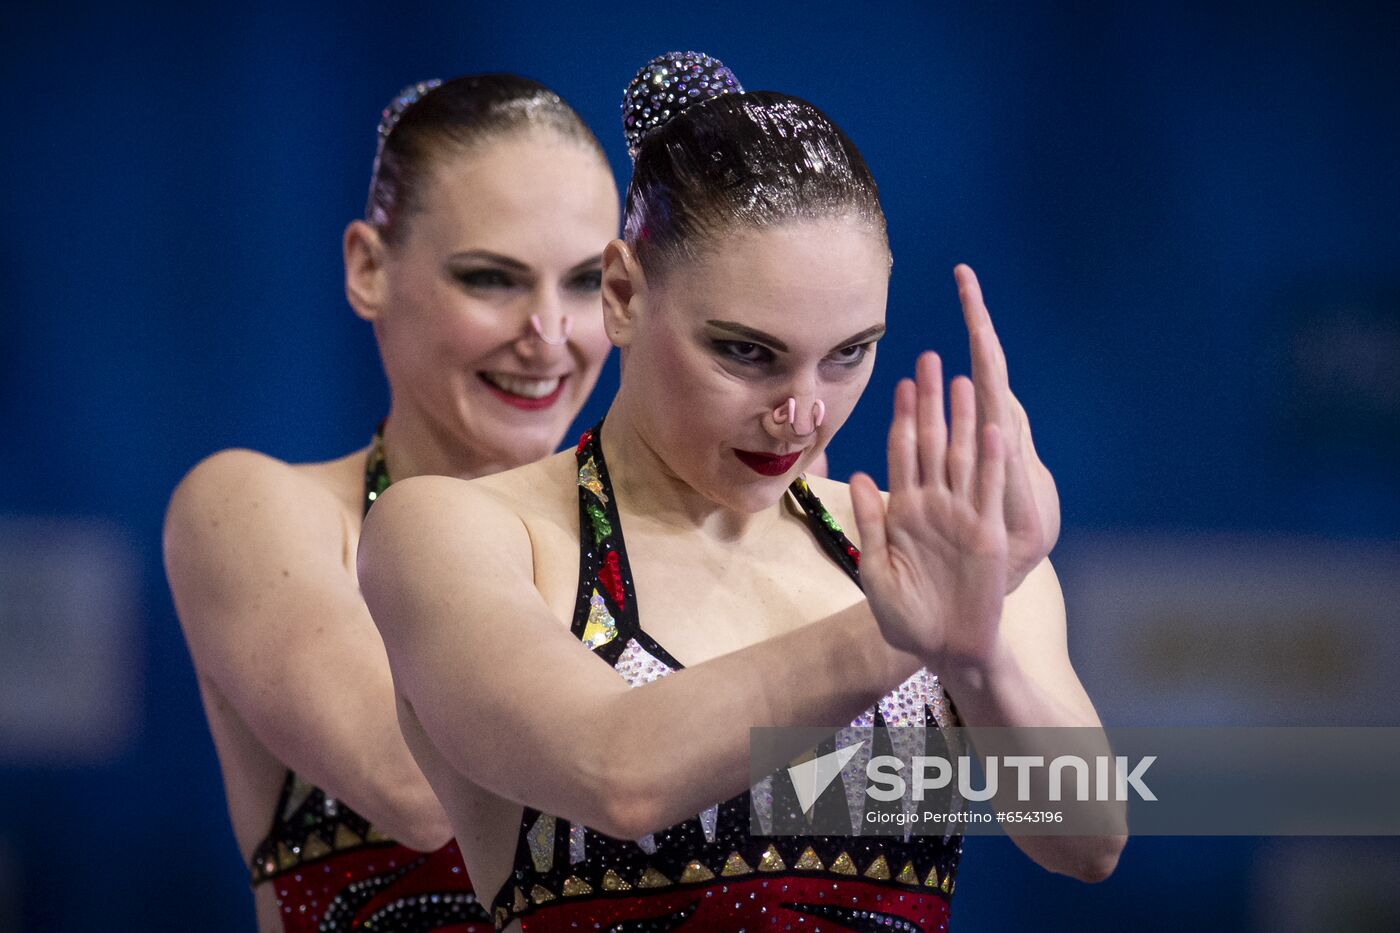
x=420 y=130
x=734 y=161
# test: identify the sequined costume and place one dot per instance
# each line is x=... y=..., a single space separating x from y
x=716 y=871
x=331 y=870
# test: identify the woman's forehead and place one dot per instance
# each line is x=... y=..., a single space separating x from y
x=521 y=188
x=828 y=274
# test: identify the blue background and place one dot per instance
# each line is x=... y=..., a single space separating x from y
x=1166 y=207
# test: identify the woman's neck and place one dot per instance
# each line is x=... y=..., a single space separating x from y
x=655 y=494
x=415 y=446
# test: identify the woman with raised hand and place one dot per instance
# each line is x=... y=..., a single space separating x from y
x=478 y=266
x=681 y=545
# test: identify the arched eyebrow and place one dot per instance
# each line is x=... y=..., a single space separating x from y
x=512 y=263
x=496 y=258
x=588 y=265
x=874 y=332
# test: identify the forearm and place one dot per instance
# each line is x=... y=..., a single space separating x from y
x=1003 y=708
x=684 y=741
x=345 y=739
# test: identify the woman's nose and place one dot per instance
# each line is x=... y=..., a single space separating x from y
x=546 y=326
x=799 y=415
x=565 y=329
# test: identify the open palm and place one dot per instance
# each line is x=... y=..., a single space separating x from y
x=934 y=556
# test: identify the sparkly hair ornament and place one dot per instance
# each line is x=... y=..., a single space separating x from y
x=387 y=121
x=668 y=84
x=405 y=99
x=709 y=157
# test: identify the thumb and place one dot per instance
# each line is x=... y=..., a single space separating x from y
x=869 y=507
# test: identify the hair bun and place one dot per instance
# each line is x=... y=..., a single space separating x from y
x=668 y=84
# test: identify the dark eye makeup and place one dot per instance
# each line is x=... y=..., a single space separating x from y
x=755 y=354
x=590 y=280
x=485 y=278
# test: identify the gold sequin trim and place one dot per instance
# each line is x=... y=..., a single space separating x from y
x=575 y=885
x=589 y=479
x=696 y=871
x=651 y=878
x=315 y=847
x=735 y=865
x=879 y=870
x=601 y=627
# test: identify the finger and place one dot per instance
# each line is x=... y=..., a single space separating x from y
x=932 y=429
x=970 y=294
x=901 y=446
x=869 y=507
x=991 y=475
x=962 y=452
x=989 y=373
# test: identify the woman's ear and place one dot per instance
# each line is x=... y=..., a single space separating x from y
x=624 y=292
x=365 y=285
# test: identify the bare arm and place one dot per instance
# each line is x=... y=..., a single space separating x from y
x=1028 y=681
x=275 y=622
x=1004 y=669
x=513 y=702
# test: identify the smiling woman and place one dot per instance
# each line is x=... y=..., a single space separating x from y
x=746 y=298
x=478 y=264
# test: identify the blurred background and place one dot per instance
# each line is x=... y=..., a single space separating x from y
x=1184 y=219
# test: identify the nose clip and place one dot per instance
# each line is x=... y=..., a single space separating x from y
x=566 y=328
x=786 y=413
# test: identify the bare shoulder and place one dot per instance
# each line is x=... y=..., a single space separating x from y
x=238 y=498
x=248 y=538
x=427 y=525
x=492 y=504
x=536 y=489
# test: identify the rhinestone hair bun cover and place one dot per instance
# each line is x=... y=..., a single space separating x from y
x=668 y=84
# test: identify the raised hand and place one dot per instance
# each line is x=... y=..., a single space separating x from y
x=1032 y=506
x=934 y=558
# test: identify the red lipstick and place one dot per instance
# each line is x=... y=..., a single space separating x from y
x=767 y=464
x=520 y=401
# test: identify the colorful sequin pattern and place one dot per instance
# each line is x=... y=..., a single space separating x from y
x=718 y=870
x=331 y=870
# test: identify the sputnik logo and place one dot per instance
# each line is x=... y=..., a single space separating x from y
x=810 y=778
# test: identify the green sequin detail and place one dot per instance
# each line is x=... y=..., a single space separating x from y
x=830 y=522
x=602 y=530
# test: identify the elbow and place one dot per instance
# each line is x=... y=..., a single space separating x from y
x=415 y=818
x=426 y=833
x=1090 y=859
x=629 y=817
x=1098 y=861
x=626 y=799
